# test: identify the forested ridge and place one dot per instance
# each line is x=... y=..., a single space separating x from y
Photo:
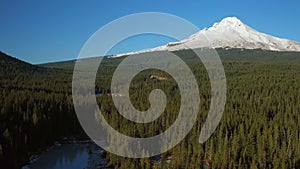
x=260 y=127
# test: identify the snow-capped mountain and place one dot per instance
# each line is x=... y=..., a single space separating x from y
x=229 y=33
x=233 y=33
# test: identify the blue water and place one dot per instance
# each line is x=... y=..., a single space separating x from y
x=69 y=156
x=98 y=94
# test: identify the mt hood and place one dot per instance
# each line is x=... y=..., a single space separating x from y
x=229 y=33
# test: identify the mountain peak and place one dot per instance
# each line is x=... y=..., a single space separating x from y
x=228 y=22
x=231 y=20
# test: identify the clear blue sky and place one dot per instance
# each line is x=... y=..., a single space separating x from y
x=46 y=31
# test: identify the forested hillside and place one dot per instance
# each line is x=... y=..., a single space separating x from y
x=36 y=109
x=260 y=127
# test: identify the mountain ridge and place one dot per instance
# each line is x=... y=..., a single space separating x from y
x=10 y=65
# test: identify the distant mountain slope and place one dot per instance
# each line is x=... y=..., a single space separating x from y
x=229 y=33
x=233 y=54
x=60 y=65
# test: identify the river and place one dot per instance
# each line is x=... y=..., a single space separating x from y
x=73 y=155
